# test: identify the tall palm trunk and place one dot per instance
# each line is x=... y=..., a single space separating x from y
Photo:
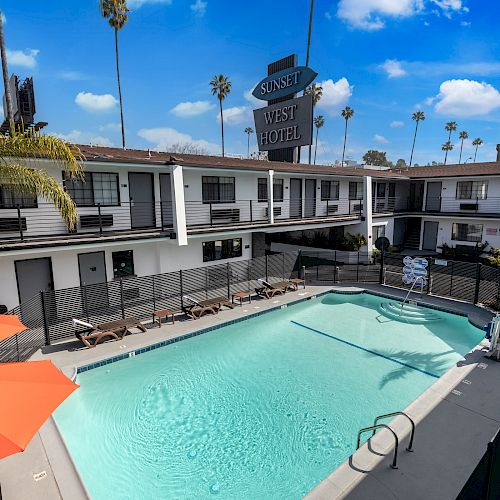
x=460 y=157
x=222 y=125
x=119 y=88
x=248 y=146
x=446 y=153
x=316 y=145
x=345 y=139
x=413 y=145
x=8 y=96
x=475 y=153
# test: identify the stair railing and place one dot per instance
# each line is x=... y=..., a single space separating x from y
x=410 y=290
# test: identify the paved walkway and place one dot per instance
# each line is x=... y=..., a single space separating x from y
x=452 y=432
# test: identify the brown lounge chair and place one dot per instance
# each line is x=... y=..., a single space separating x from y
x=268 y=290
x=198 y=308
x=114 y=330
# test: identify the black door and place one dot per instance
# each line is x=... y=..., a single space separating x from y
x=310 y=201
x=92 y=267
x=142 y=206
x=167 y=219
x=295 y=198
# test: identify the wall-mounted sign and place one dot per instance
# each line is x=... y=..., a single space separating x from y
x=491 y=231
x=284 y=125
x=283 y=83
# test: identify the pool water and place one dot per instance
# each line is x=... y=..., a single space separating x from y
x=263 y=408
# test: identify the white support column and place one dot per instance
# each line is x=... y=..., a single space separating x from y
x=178 y=205
x=270 y=197
x=367 y=211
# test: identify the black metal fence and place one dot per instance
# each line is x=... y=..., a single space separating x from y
x=49 y=314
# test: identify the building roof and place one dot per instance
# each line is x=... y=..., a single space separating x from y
x=118 y=155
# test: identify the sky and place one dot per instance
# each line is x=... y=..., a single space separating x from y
x=384 y=58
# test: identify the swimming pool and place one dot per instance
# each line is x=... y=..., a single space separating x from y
x=263 y=408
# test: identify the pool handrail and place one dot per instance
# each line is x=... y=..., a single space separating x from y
x=394 y=414
x=382 y=426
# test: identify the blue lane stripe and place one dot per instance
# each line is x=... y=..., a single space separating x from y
x=364 y=349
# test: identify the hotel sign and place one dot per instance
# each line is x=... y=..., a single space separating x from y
x=286 y=124
x=284 y=83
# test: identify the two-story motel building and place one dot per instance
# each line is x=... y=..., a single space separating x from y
x=144 y=213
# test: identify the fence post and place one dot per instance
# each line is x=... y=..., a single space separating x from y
x=228 y=270
x=299 y=261
x=429 y=278
x=154 y=294
x=100 y=218
x=181 y=289
x=381 y=275
x=85 y=302
x=478 y=282
x=357 y=269
x=121 y=298
x=210 y=213
x=335 y=273
x=46 y=330
x=451 y=279
x=20 y=222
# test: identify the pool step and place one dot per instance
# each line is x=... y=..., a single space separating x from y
x=409 y=313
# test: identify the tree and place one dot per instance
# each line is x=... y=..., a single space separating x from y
x=347 y=113
x=221 y=87
x=316 y=91
x=20 y=171
x=401 y=164
x=446 y=147
x=374 y=157
x=248 y=131
x=418 y=117
x=476 y=142
x=319 y=121
x=188 y=148
x=449 y=127
x=116 y=12
x=463 y=135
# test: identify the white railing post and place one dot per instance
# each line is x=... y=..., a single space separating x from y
x=178 y=204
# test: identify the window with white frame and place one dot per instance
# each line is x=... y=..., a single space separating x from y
x=218 y=189
x=96 y=188
x=355 y=190
x=329 y=190
x=467 y=232
x=262 y=189
x=471 y=190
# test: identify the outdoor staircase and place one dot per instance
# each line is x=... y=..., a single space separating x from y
x=412 y=239
x=409 y=313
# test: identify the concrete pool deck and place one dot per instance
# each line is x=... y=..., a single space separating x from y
x=445 y=455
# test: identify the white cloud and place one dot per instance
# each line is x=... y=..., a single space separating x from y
x=4 y=19
x=380 y=138
x=335 y=95
x=450 y=5
x=256 y=103
x=465 y=24
x=188 y=109
x=136 y=4
x=369 y=14
x=199 y=8
x=466 y=98
x=393 y=68
x=236 y=115
x=79 y=137
x=25 y=58
x=114 y=127
x=397 y=124
x=95 y=102
x=164 y=138
x=71 y=75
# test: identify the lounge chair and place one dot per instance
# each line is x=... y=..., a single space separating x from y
x=114 y=330
x=198 y=308
x=267 y=291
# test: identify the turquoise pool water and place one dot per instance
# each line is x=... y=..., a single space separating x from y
x=264 y=408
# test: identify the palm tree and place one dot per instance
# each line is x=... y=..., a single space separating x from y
x=463 y=135
x=319 y=121
x=347 y=114
x=446 y=147
x=116 y=12
x=449 y=127
x=476 y=142
x=418 y=116
x=316 y=91
x=248 y=131
x=221 y=87
x=20 y=171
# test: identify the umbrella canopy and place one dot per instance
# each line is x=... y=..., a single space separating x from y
x=9 y=326
x=29 y=393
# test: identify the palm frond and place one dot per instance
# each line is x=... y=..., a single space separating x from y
x=38 y=182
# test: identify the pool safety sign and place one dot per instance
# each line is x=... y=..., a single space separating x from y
x=415 y=270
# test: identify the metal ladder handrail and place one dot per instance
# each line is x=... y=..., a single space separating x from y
x=393 y=414
x=410 y=290
x=382 y=426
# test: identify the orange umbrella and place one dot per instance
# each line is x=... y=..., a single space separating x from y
x=29 y=393
x=10 y=325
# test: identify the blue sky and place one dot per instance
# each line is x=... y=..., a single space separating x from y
x=384 y=58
